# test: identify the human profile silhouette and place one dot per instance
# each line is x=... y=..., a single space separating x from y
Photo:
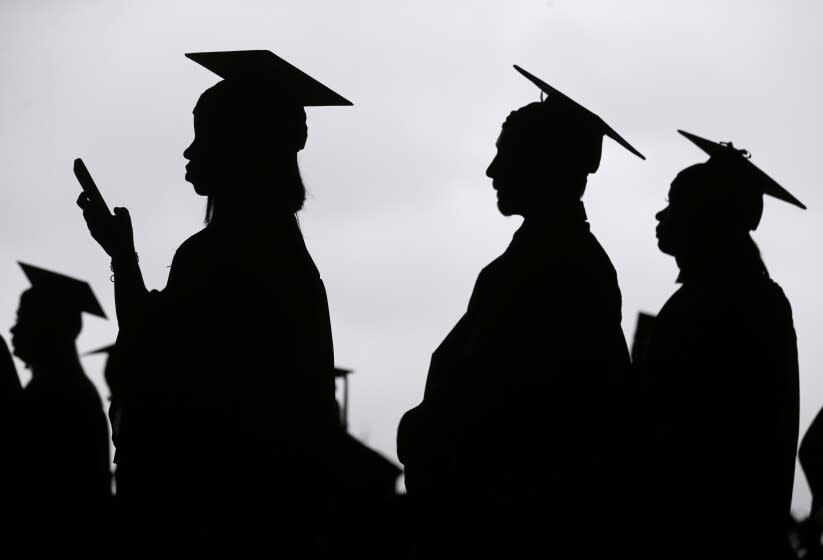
x=511 y=445
x=722 y=372
x=61 y=451
x=228 y=412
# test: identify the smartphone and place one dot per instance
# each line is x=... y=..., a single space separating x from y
x=88 y=185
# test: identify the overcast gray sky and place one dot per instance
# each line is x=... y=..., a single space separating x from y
x=401 y=217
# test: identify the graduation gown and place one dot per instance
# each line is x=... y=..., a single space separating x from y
x=63 y=454
x=229 y=413
x=518 y=426
x=722 y=374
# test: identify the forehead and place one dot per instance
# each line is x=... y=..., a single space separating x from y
x=499 y=140
x=677 y=184
x=37 y=303
x=28 y=302
x=681 y=192
x=691 y=179
x=520 y=132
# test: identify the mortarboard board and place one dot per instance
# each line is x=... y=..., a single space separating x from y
x=749 y=173
x=343 y=374
x=102 y=350
x=70 y=293
x=266 y=70
x=113 y=370
x=578 y=112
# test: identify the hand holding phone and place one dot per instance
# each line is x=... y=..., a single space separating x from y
x=112 y=231
x=91 y=190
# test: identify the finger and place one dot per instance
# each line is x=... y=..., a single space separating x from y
x=123 y=214
x=82 y=200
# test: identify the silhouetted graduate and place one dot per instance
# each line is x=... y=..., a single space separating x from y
x=811 y=459
x=367 y=520
x=722 y=371
x=62 y=454
x=228 y=412
x=511 y=450
x=364 y=477
x=810 y=455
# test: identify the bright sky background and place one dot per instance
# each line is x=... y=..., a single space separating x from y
x=401 y=217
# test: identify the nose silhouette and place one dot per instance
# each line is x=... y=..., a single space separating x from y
x=662 y=214
x=491 y=168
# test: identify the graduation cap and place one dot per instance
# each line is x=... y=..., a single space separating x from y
x=112 y=372
x=102 y=350
x=341 y=373
x=261 y=98
x=267 y=71
x=738 y=162
x=69 y=293
x=578 y=114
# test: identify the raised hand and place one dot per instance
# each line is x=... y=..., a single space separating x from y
x=113 y=233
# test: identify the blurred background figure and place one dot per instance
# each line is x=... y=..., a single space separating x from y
x=113 y=372
x=368 y=513
x=721 y=371
x=62 y=438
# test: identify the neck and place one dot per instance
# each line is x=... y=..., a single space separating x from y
x=572 y=212
x=60 y=362
x=729 y=258
x=239 y=212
